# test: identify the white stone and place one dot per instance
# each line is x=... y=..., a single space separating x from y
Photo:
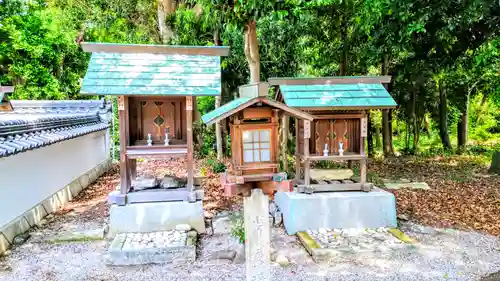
x=183 y=227
x=257 y=252
x=282 y=260
x=322 y=231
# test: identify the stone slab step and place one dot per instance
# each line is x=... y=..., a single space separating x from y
x=152 y=248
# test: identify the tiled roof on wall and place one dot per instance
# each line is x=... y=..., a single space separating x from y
x=34 y=124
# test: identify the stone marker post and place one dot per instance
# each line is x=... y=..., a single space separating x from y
x=257 y=252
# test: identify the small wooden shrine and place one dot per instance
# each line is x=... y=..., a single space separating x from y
x=156 y=87
x=254 y=122
x=339 y=106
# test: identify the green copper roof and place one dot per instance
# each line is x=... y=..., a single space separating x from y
x=207 y=118
x=337 y=95
x=152 y=74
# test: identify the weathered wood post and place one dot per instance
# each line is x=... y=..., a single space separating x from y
x=257 y=245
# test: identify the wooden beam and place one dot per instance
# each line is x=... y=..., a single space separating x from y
x=6 y=89
x=190 y=148
x=363 y=135
x=288 y=110
x=317 y=157
x=338 y=116
x=154 y=49
x=329 y=80
x=285 y=120
x=345 y=108
x=123 y=108
x=297 y=146
x=307 y=135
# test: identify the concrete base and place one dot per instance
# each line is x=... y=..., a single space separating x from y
x=157 y=216
x=302 y=212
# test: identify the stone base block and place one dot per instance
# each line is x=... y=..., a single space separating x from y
x=14 y=228
x=150 y=248
x=156 y=216
x=302 y=212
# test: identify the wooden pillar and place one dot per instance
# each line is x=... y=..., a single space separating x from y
x=285 y=120
x=190 y=160
x=275 y=135
x=297 y=146
x=132 y=168
x=362 y=148
x=123 y=116
x=307 y=136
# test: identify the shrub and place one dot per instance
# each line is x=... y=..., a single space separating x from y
x=216 y=166
x=238 y=227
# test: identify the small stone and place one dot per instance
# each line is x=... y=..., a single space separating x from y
x=282 y=260
x=403 y=217
x=169 y=182
x=21 y=238
x=224 y=255
x=146 y=182
x=328 y=229
x=42 y=222
x=240 y=255
x=5 y=268
x=334 y=243
x=322 y=231
x=7 y=253
x=183 y=227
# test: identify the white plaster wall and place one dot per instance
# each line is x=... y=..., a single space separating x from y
x=30 y=177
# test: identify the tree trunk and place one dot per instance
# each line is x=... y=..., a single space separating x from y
x=463 y=125
x=480 y=111
x=343 y=54
x=165 y=8
x=285 y=119
x=495 y=163
x=415 y=124
x=386 y=134
x=443 y=116
x=252 y=50
x=369 y=138
x=386 y=116
x=218 y=132
x=378 y=142
x=427 y=125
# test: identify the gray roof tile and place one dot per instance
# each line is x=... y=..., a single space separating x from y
x=35 y=124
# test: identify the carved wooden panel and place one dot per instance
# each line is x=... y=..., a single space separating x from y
x=322 y=135
x=338 y=128
x=156 y=116
x=331 y=131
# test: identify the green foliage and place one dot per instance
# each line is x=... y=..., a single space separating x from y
x=238 y=227
x=216 y=166
x=38 y=52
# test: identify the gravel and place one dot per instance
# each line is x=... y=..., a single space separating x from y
x=441 y=254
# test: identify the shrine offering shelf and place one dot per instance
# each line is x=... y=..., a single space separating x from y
x=346 y=156
x=156 y=151
x=173 y=142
